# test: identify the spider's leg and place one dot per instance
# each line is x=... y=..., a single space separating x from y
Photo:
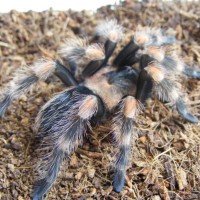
x=28 y=76
x=144 y=86
x=145 y=82
x=167 y=40
x=175 y=65
x=126 y=56
x=123 y=130
x=171 y=61
x=166 y=88
x=182 y=110
x=65 y=75
x=164 y=76
x=129 y=55
x=61 y=125
x=87 y=58
x=111 y=32
x=148 y=36
x=192 y=72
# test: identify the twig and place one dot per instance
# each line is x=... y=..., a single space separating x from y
x=188 y=15
x=170 y=174
x=90 y=154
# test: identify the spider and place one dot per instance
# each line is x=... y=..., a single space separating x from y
x=144 y=67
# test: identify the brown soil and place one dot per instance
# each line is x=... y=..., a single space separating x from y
x=166 y=156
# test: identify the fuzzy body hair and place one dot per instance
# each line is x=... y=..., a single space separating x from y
x=24 y=79
x=147 y=36
x=110 y=30
x=79 y=50
x=74 y=48
x=167 y=56
x=166 y=87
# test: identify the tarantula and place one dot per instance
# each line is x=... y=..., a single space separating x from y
x=146 y=66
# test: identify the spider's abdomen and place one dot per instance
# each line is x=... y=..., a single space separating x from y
x=112 y=86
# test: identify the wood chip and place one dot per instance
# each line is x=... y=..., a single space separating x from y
x=181 y=178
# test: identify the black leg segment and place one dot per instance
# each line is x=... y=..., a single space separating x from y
x=92 y=67
x=109 y=48
x=65 y=75
x=145 y=85
x=126 y=55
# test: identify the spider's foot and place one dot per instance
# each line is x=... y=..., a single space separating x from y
x=192 y=73
x=119 y=181
x=37 y=194
x=36 y=198
x=167 y=40
x=182 y=109
x=4 y=105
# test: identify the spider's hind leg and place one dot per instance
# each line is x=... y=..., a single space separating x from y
x=62 y=124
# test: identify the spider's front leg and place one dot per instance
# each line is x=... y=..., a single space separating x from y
x=61 y=126
x=123 y=129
